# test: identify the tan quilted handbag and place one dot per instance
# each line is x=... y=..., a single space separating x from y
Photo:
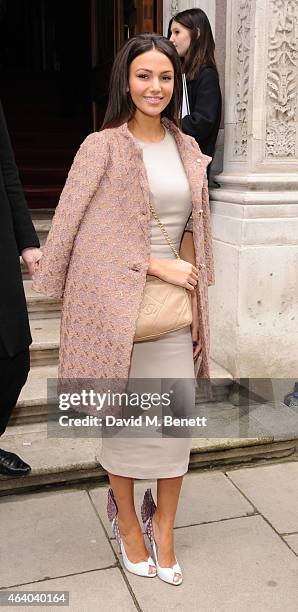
x=165 y=307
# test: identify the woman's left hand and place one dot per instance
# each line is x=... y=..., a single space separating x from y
x=197 y=345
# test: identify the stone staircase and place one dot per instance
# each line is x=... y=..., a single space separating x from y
x=70 y=460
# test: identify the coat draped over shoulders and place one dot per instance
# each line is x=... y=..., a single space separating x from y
x=85 y=174
x=97 y=253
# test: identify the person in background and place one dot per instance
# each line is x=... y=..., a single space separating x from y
x=17 y=237
x=191 y=34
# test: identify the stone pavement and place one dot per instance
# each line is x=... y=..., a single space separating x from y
x=236 y=535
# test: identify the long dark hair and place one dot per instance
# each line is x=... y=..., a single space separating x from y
x=201 y=50
x=120 y=105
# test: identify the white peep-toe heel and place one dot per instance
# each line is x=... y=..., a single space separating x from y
x=143 y=567
x=164 y=573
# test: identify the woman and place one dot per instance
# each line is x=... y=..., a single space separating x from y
x=102 y=245
x=191 y=34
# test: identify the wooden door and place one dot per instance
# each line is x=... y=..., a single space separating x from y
x=103 y=50
x=137 y=16
x=112 y=23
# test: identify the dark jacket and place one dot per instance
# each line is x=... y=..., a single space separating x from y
x=205 y=109
x=16 y=233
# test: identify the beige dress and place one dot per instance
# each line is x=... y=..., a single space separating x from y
x=170 y=357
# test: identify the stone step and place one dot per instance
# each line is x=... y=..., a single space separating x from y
x=39 y=306
x=47 y=174
x=41 y=213
x=40 y=157
x=37 y=196
x=45 y=335
x=32 y=403
x=62 y=461
x=62 y=139
x=222 y=382
x=42 y=227
x=25 y=274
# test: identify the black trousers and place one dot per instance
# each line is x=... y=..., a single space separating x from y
x=13 y=375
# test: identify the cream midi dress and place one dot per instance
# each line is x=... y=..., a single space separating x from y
x=169 y=357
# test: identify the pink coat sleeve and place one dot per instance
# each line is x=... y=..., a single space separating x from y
x=83 y=178
x=207 y=233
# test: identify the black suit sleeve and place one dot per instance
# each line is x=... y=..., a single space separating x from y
x=204 y=105
x=25 y=233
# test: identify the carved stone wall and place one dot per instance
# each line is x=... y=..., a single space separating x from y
x=282 y=79
x=253 y=304
x=170 y=7
x=174 y=7
x=242 y=43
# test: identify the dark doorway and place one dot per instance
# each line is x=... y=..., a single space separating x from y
x=46 y=94
x=55 y=62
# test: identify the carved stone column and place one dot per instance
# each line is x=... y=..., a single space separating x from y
x=254 y=304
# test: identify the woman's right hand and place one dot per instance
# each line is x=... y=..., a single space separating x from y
x=175 y=271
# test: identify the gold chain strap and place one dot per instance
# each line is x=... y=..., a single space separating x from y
x=164 y=231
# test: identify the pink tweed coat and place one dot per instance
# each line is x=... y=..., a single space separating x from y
x=97 y=252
